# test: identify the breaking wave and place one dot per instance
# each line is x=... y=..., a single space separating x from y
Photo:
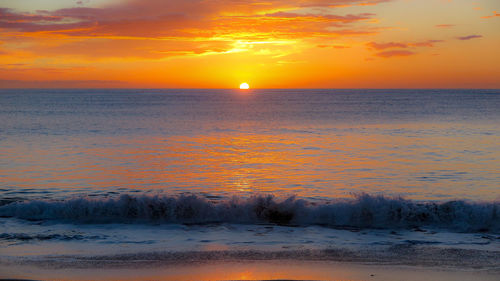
x=363 y=211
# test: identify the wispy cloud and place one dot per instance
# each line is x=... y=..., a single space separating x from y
x=159 y=29
x=334 y=46
x=4 y=83
x=495 y=14
x=427 y=43
x=395 y=53
x=323 y=17
x=469 y=37
x=400 y=49
x=444 y=25
x=402 y=45
x=155 y=18
x=211 y=25
x=382 y=46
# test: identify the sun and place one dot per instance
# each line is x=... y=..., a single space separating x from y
x=244 y=86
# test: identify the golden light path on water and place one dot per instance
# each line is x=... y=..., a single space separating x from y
x=330 y=164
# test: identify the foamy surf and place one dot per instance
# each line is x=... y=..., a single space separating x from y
x=172 y=231
x=363 y=211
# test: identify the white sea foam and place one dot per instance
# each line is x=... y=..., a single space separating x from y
x=364 y=211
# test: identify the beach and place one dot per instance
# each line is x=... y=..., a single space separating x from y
x=254 y=270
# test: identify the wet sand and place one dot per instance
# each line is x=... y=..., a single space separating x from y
x=249 y=270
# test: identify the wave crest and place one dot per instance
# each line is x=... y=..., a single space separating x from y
x=364 y=211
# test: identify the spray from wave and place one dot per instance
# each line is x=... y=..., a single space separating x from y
x=364 y=211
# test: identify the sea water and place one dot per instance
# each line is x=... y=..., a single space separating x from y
x=249 y=173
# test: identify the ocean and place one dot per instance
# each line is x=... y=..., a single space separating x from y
x=175 y=175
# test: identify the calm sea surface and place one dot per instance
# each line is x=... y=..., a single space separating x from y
x=317 y=144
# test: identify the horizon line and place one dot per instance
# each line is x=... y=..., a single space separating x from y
x=235 y=88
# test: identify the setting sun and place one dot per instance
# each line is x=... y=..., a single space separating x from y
x=244 y=86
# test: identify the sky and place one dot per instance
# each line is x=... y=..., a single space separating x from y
x=266 y=43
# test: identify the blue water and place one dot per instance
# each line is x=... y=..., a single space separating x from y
x=316 y=144
x=31 y=113
x=130 y=177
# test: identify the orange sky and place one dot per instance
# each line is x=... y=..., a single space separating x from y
x=267 y=43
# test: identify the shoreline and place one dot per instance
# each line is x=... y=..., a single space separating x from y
x=399 y=255
x=58 y=251
x=251 y=270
